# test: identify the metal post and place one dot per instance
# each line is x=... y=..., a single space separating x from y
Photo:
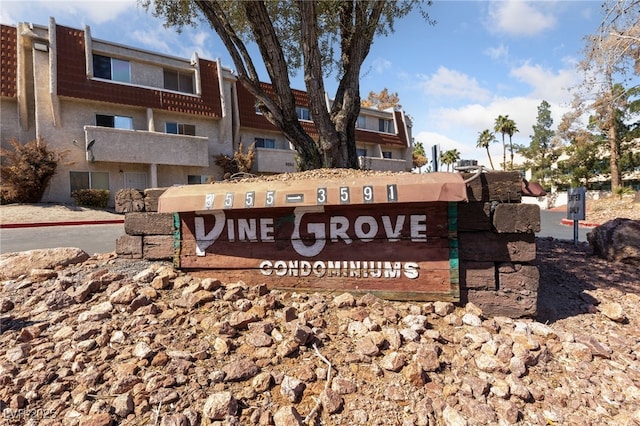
x=575 y=233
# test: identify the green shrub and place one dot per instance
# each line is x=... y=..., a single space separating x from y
x=623 y=190
x=91 y=197
x=26 y=171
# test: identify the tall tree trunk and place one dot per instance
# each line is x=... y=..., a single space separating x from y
x=329 y=142
x=614 y=151
x=490 y=160
x=511 y=152
x=610 y=109
x=279 y=110
x=504 y=154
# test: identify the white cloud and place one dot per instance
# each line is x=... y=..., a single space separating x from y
x=380 y=65
x=497 y=53
x=462 y=124
x=519 y=18
x=170 y=42
x=200 y=38
x=101 y=11
x=547 y=84
x=155 y=39
x=66 y=12
x=451 y=83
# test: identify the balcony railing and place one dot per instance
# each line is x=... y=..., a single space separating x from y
x=270 y=160
x=139 y=146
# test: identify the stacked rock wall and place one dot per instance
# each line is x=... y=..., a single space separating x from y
x=148 y=234
x=496 y=239
x=497 y=249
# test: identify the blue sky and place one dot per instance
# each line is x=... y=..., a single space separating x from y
x=481 y=59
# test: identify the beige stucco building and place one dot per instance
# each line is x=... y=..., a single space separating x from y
x=130 y=118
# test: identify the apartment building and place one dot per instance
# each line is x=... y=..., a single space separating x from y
x=130 y=118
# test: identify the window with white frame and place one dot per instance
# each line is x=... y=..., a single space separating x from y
x=111 y=68
x=362 y=122
x=303 y=113
x=115 y=121
x=361 y=152
x=385 y=126
x=88 y=180
x=180 y=129
x=178 y=81
x=265 y=143
x=386 y=154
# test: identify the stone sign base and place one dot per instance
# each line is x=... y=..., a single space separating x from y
x=495 y=236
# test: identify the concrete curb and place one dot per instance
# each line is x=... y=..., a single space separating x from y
x=69 y=223
x=581 y=223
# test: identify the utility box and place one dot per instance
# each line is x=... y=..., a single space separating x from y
x=394 y=235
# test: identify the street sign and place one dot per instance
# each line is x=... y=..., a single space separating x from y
x=576 y=198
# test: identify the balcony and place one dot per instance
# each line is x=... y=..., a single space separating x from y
x=270 y=160
x=383 y=164
x=138 y=146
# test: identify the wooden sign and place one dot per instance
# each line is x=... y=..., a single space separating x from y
x=358 y=237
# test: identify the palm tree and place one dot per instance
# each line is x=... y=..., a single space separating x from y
x=419 y=157
x=510 y=129
x=449 y=157
x=500 y=126
x=485 y=138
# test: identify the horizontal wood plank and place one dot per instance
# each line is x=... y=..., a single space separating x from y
x=278 y=224
x=354 y=190
x=434 y=286
x=505 y=187
x=400 y=251
x=508 y=218
x=492 y=247
x=474 y=216
x=227 y=253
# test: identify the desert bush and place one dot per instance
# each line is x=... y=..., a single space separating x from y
x=240 y=163
x=91 y=197
x=620 y=191
x=26 y=171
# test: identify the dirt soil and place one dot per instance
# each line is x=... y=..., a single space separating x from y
x=50 y=212
x=607 y=208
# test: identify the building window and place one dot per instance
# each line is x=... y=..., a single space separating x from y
x=178 y=81
x=115 y=121
x=386 y=154
x=198 y=179
x=362 y=122
x=265 y=143
x=135 y=180
x=361 y=152
x=180 y=129
x=385 y=126
x=303 y=113
x=111 y=68
x=89 y=180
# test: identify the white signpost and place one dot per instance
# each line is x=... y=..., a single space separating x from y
x=576 y=207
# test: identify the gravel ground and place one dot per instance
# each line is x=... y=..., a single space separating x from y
x=108 y=341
